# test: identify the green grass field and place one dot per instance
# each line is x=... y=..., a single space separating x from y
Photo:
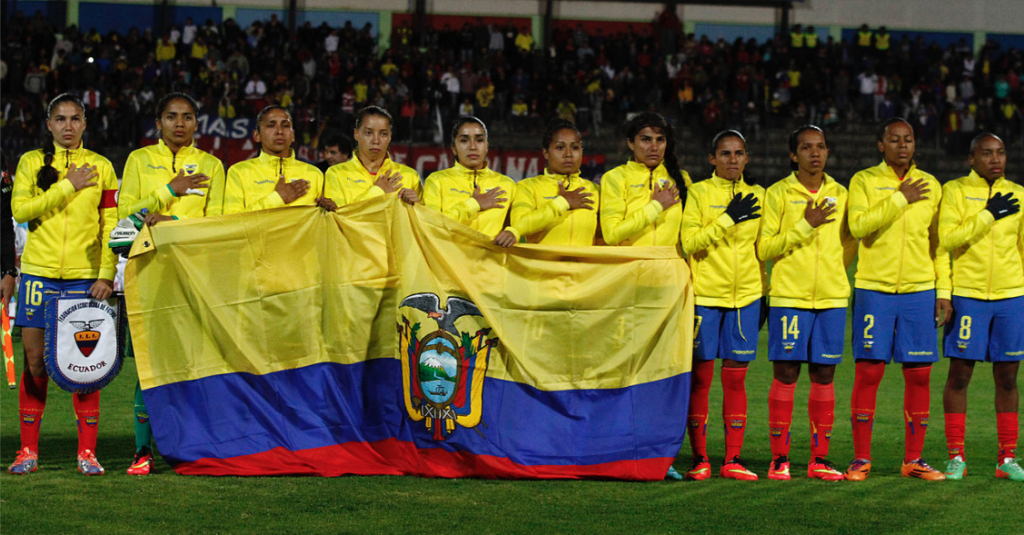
x=57 y=500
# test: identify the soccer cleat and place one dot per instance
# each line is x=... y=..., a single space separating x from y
x=25 y=462
x=736 y=469
x=700 y=470
x=88 y=465
x=956 y=469
x=858 y=470
x=673 y=474
x=920 y=469
x=779 y=469
x=1009 y=469
x=144 y=461
x=824 y=470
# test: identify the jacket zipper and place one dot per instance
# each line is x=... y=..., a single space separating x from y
x=991 y=252
x=651 y=180
x=735 y=253
x=174 y=159
x=64 y=245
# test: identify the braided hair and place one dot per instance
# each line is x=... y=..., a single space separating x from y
x=48 y=174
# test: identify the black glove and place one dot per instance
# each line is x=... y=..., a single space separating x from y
x=742 y=208
x=1002 y=205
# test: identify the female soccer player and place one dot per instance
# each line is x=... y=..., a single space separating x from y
x=372 y=172
x=719 y=234
x=981 y=225
x=901 y=293
x=804 y=234
x=469 y=191
x=558 y=207
x=640 y=200
x=158 y=178
x=275 y=178
x=67 y=195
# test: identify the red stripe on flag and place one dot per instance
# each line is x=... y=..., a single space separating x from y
x=109 y=199
x=398 y=457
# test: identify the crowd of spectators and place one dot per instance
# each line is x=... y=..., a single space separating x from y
x=497 y=72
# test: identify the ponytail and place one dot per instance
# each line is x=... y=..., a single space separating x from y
x=47 y=175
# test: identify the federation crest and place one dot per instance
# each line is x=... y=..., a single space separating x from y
x=190 y=168
x=443 y=372
x=87 y=337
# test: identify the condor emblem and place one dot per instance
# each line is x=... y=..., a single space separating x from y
x=443 y=372
x=86 y=338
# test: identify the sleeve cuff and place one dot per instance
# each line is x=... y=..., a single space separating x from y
x=986 y=217
x=653 y=210
x=561 y=205
x=374 y=191
x=471 y=206
x=107 y=273
x=899 y=199
x=514 y=232
x=725 y=221
x=67 y=188
x=943 y=294
x=273 y=200
x=804 y=228
x=165 y=194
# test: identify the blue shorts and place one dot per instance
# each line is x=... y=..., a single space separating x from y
x=991 y=331
x=880 y=317
x=35 y=292
x=727 y=333
x=806 y=335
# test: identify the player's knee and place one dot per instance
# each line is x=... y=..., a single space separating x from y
x=1005 y=382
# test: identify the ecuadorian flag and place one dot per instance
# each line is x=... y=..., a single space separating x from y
x=388 y=339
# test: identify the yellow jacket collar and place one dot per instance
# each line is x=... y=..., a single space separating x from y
x=889 y=172
x=271 y=159
x=463 y=169
x=724 y=183
x=794 y=182
x=164 y=150
x=60 y=153
x=384 y=165
x=636 y=167
x=974 y=179
x=575 y=177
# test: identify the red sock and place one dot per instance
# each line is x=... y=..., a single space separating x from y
x=1007 y=426
x=701 y=376
x=31 y=404
x=862 y=406
x=916 y=397
x=87 y=412
x=821 y=407
x=956 y=429
x=734 y=409
x=780 y=416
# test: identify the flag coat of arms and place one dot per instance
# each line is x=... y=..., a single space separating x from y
x=388 y=339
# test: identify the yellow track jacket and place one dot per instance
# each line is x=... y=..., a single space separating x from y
x=542 y=216
x=68 y=230
x=987 y=254
x=899 y=243
x=150 y=169
x=250 y=184
x=808 y=264
x=629 y=216
x=722 y=254
x=451 y=192
x=349 y=182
